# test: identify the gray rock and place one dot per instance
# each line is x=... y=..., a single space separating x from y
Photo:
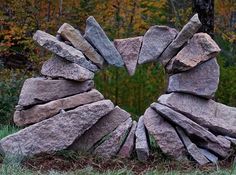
x=183 y=36
x=74 y=36
x=41 y=90
x=63 y=50
x=55 y=133
x=38 y=113
x=111 y=146
x=211 y=157
x=155 y=41
x=141 y=143
x=164 y=134
x=129 y=49
x=128 y=146
x=202 y=81
x=58 y=67
x=202 y=136
x=100 y=130
x=95 y=35
x=193 y=150
x=216 y=117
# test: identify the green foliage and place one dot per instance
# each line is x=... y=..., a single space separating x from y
x=6 y=130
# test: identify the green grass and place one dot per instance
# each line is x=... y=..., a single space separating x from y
x=6 y=130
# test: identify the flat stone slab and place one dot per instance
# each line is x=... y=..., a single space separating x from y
x=202 y=136
x=67 y=32
x=211 y=157
x=141 y=143
x=129 y=49
x=95 y=35
x=183 y=36
x=200 y=48
x=128 y=146
x=101 y=129
x=111 y=146
x=63 y=50
x=202 y=81
x=155 y=41
x=55 y=133
x=42 y=90
x=164 y=134
x=217 y=117
x=41 y=112
x=58 y=67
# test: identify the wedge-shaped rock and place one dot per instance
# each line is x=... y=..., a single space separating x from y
x=199 y=49
x=202 y=81
x=101 y=129
x=97 y=37
x=141 y=143
x=164 y=134
x=111 y=146
x=202 y=136
x=155 y=41
x=41 y=90
x=128 y=146
x=63 y=50
x=55 y=133
x=183 y=36
x=211 y=157
x=74 y=36
x=41 y=112
x=216 y=117
x=129 y=49
x=193 y=150
x=57 y=67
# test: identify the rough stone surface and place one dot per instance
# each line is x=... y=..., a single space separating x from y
x=203 y=80
x=111 y=146
x=216 y=117
x=74 y=36
x=97 y=37
x=129 y=49
x=202 y=136
x=200 y=48
x=63 y=50
x=211 y=157
x=141 y=143
x=231 y=139
x=57 y=67
x=155 y=41
x=193 y=150
x=55 y=133
x=41 y=112
x=164 y=134
x=183 y=36
x=41 y=90
x=128 y=146
x=101 y=129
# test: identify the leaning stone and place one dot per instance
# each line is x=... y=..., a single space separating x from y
x=97 y=37
x=202 y=81
x=111 y=146
x=42 y=90
x=100 y=130
x=193 y=150
x=141 y=143
x=63 y=50
x=155 y=41
x=128 y=146
x=129 y=49
x=203 y=137
x=74 y=36
x=214 y=116
x=41 y=112
x=55 y=133
x=211 y=157
x=183 y=36
x=231 y=139
x=164 y=134
x=57 y=67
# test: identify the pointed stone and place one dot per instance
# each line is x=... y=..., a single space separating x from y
x=129 y=49
x=95 y=35
x=63 y=50
x=211 y=157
